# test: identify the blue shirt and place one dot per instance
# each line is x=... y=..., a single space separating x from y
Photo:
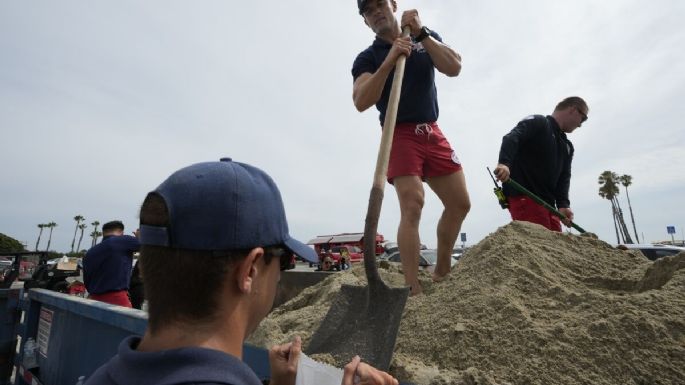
x=107 y=265
x=419 y=97
x=190 y=365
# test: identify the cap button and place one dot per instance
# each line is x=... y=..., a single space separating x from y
x=225 y=160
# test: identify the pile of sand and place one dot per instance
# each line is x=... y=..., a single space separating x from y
x=526 y=306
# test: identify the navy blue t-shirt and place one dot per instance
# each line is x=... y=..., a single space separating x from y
x=419 y=97
x=172 y=367
x=107 y=265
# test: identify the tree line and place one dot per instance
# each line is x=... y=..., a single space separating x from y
x=80 y=225
x=609 y=189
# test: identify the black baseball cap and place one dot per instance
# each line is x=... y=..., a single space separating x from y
x=362 y=4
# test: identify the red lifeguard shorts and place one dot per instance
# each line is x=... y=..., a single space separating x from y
x=114 y=297
x=523 y=208
x=421 y=150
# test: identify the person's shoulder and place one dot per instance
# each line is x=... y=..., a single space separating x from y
x=436 y=36
x=366 y=52
x=534 y=121
x=97 y=248
x=535 y=118
x=125 y=239
x=365 y=61
x=101 y=376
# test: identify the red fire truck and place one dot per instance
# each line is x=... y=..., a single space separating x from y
x=352 y=241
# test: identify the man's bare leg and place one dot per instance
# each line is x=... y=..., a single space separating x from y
x=411 y=197
x=451 y=189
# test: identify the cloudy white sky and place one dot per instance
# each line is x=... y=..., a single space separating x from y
x=101 y=100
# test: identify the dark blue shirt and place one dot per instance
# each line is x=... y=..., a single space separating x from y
x=419 y=97
x=539 y=157
x=190 y=365
x=107 y=265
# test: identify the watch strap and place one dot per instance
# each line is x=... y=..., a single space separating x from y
x=425 y=32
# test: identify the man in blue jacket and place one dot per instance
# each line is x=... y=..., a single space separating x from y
x=107 y=265
x=537 y=154
x=214 y=242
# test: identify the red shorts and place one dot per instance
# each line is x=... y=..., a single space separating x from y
x=114 y=297
x=421 y=150
x=523 y=208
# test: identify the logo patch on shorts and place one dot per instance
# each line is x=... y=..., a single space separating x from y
x=455 y=158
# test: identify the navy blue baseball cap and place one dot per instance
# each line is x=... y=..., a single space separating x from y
x=361 y=4
x=219 y=206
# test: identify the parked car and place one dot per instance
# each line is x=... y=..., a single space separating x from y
x=390 y=247
x=5 y=267
x=5 y=263
x=386 y=255
x=457 y=252
x=427 y=259
x=653 y=251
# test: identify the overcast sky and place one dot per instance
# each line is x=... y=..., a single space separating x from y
x=101 y=100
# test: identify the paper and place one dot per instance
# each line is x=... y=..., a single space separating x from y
x=310 y=372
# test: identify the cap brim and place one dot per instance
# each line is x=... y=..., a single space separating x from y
x=302 y=250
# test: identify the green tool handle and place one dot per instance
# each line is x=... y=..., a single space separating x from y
x=537 y=199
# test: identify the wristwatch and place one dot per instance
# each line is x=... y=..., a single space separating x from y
x=425 y=32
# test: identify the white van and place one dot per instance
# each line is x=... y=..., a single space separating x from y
x=654 y=251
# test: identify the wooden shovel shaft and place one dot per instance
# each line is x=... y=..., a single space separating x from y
x=376 y=197
x=390 y=121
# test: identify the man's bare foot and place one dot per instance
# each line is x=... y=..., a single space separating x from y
x=439 y=278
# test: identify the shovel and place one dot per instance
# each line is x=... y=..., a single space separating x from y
x=364 y=320
x=539 y=200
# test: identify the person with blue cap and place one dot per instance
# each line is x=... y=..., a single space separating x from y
x=420 y=151
x=214 y=240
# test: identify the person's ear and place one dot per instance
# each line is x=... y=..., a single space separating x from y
x=247 y=270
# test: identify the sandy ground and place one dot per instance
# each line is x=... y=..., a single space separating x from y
x=526 y=306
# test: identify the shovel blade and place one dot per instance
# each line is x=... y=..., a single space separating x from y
x=362 y=320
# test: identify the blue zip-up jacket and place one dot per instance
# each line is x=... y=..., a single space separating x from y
x=190 y=365
x=539 y=157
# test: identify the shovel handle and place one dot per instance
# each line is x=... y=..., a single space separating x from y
x=376 y=197
x=539 y=200
x=390 y=120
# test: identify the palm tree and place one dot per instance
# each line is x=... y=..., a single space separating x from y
x=82 y=226
x=94 y=233
x=78 y=220
x=609 y=190
x=50 y=226
x=41 y=226
x=627 y=180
